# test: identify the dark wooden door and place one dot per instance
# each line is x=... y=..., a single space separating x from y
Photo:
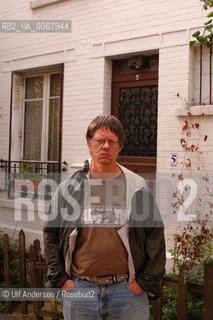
x=134 y=103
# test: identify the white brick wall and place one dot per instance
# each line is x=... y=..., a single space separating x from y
x=101 y=30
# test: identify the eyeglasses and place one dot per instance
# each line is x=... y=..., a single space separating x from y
x=100 y=142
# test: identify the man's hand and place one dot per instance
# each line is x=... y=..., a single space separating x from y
x=134 y=286
x=68 y=284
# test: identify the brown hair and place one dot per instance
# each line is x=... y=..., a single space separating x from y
x=106 y=121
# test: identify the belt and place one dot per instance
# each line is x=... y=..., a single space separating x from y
x=103 y=280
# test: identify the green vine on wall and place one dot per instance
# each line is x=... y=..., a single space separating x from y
x=206 y=37
x=193 y=244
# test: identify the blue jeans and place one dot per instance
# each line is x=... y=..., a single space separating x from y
x=87 y=301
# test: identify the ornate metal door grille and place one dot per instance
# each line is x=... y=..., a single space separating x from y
x=138 y=114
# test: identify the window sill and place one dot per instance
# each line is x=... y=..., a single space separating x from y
x=206 y=110
x=34 y=4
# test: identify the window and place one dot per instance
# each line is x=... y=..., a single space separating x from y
x=38 y=114
x=41 y=120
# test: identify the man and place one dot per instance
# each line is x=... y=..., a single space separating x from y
x=105 y=239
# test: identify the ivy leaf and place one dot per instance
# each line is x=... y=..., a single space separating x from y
x=205 y=41
x=188 y=163
x=196 y=34
x=186 y=126
x=200 y=39
x=210 y=14
x=209 y=27
x=191 y=43
x=188 y=134
x=208 y=22
x=182 y=142
x=192 y=147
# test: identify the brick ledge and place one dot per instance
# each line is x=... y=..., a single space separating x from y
x=34 y=4
x=206 y=110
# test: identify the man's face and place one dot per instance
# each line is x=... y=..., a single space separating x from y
x=104 y=147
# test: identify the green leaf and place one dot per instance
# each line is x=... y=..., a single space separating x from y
x=209 y=27
x=201 y=39
x=206 y=23
x=205 y=41
x=191 y=43
x=196 y=34
x=210 y=14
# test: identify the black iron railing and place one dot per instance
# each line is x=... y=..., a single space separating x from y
x=30 y=176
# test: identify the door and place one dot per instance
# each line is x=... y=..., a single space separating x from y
x=134 y=103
